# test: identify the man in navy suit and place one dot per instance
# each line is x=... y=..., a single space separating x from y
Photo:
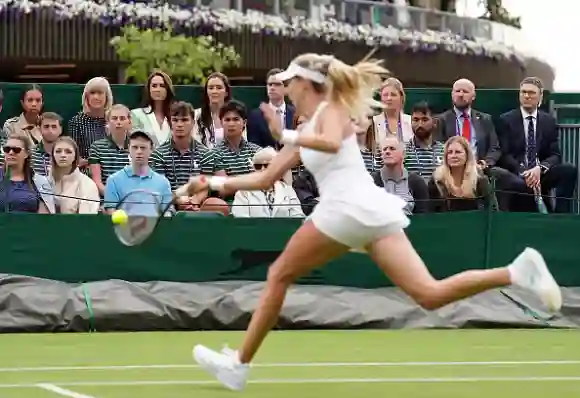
x=530 y=148
x=258 y=131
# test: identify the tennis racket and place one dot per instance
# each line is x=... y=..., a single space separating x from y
x=145 y=209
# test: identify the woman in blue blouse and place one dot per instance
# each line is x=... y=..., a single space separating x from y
x=22 y=191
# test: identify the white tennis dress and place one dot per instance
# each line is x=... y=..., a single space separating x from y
x=355 y=212
x=352 y=209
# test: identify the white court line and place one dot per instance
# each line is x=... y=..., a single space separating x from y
x=62 y=391
x=133 y=383
x=292 y=365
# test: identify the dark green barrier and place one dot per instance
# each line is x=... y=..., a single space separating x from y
x=84 y=248
x=65 y=99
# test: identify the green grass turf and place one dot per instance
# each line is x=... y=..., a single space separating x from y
x=382 y=368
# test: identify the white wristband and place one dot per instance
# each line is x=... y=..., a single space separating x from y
x=289 y=137
x=216 y=183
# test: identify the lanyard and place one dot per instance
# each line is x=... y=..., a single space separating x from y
x=191 y=162
x=44 y=164
x=399 y=128
x=433 y=157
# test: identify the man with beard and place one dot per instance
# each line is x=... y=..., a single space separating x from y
x=475 y=126
x=423 y=153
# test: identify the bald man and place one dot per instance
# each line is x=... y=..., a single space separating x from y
x=477 y=127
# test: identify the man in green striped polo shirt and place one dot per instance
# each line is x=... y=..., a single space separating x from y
x=234 y=155
x=51 y=129
x=110 y=154
x=181 y=156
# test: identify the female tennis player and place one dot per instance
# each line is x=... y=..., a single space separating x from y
x=352 y=212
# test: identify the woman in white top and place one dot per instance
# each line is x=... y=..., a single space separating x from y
x=278 y=200
x=153 y=116
x=352 y=213
x=208 y=128
x=75 y=192
x=392 y=121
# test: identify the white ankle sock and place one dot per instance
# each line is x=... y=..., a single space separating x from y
x=518 y=272
x=514 y=274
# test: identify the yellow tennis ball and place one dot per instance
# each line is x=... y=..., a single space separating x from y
x=119 y=217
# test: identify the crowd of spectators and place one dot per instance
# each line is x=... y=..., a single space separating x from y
x=436 y=162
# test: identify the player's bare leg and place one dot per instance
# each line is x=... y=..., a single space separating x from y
x=399 y=260
x=306 y=250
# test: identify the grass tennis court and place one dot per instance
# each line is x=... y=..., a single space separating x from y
x=337 y=364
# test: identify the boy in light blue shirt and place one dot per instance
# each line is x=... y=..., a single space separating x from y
x=135 y=177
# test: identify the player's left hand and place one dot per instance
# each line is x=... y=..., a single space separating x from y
x=274 y=122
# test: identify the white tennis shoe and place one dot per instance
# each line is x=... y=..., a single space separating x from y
x=529 y=271
x=225 y=366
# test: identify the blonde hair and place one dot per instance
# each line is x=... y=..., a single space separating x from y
x=442 y=174
x=100 y=83
x=265 y=155
x=395 y=83
x=117 y=107
x=352 y=86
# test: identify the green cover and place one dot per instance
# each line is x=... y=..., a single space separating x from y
x=76 y=248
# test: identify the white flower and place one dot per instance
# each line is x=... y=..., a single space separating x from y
x=118 y=13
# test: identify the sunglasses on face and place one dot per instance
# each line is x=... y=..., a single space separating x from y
x=15 y=149
x=260 y=166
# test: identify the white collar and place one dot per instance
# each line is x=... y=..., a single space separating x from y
x=281 y=107
x=525 y=114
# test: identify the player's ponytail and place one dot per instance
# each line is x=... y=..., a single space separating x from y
x=355 y=86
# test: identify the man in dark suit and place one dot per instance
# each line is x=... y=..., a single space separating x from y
x=258 y=131
x=477 y=127
x=530 y=144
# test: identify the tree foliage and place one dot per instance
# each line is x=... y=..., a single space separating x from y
x=186 y=59
x=496 y=12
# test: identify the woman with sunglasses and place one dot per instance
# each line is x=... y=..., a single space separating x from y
x=278 y=200
x=21 y=190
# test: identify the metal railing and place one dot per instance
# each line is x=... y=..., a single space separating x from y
x=568 y=117
x=368 y=12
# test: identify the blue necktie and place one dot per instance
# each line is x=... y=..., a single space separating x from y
x=531 y=154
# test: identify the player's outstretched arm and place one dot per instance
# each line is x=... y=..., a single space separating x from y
x=287 y=158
